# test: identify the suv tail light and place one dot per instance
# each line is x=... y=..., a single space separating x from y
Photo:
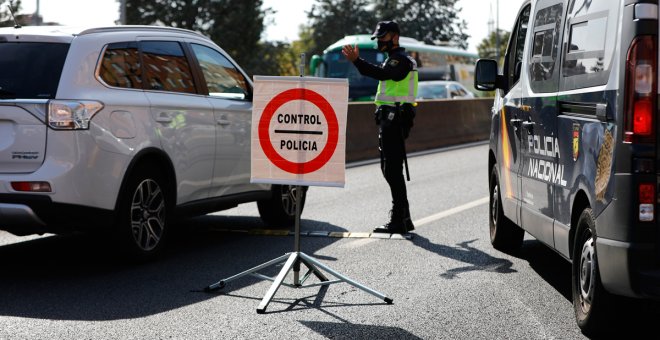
x=31 y=186
x=646 y=202
x=641 y=88
x=71 y=115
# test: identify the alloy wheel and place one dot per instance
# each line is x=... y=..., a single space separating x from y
x=148 y=215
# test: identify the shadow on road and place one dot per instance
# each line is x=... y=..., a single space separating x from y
x=345 y=329
x=79 y=277
x=477 y=259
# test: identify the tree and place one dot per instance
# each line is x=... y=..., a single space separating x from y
x=235 y=25
x=6 y=19
x=487 y=47
x=331 y=20
x=434 y=22
x=431 y=21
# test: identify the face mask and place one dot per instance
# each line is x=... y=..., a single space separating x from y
x=385 y=46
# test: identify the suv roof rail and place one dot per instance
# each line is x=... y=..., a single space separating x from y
x=141 y=27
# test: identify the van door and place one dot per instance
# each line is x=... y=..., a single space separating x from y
x=542 y=168
x=509 y=145
x=589 y=98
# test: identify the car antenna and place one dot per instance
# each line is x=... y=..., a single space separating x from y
x=16 y=25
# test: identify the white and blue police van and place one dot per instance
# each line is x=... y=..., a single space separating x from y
x=574 y=157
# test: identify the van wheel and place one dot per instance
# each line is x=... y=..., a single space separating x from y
x=505 y=235
x=280 y=209
x=143 y=215
x=591 y=302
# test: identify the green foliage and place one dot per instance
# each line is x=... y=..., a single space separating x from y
x=235 y=25
x=487 y=47
x=434 y=22
x=331 y=20
x=5 y=17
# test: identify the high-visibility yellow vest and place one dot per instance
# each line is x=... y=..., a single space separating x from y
x=404 y=91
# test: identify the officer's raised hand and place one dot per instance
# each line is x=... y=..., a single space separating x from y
x=351 y=52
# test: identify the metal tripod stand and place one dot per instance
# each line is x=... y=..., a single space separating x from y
x=293 y=260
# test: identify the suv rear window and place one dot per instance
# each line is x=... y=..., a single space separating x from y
x=31 y=70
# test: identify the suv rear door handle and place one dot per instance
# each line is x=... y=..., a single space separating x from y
x=528 y=124
x=223 y=122
x=515 y=121
x=164 y=117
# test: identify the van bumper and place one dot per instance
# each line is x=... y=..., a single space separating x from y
x=619 y=264
x=22 y=214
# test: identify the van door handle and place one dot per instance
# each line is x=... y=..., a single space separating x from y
x=515 y=121
x=223 y=122
x=528 y=124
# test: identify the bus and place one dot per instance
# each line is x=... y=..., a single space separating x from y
x=433 y=63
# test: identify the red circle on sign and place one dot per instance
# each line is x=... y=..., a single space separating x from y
x=330 y=117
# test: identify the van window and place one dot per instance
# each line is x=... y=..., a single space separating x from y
x=545 y=46
x=120 y=66
x=222 y=78
x=166 y=67
x=31 y=70
x=516 y=48
x=588 y=53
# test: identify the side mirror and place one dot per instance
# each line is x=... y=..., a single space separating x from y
x=485 y=75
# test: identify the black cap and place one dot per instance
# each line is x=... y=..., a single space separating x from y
x=383 y=27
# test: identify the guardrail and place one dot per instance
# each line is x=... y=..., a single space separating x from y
x=438 y=123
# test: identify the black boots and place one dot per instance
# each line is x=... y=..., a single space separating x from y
x=400 y=222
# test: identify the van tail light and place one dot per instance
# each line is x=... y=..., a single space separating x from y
x=646 y=202
x=641 y=90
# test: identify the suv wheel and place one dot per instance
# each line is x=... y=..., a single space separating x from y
x=280 y=209
x=143 y=209
x=504 y=234
x=590 y=300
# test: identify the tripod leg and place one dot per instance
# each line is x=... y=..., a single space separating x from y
x=314 y=270
x=277 y=283
x=221 y=284
x=345 y=279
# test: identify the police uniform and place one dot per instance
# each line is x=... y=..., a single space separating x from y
x=395 y=98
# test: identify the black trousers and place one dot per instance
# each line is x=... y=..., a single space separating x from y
x=392 y=155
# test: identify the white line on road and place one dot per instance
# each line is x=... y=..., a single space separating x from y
x=450 y=212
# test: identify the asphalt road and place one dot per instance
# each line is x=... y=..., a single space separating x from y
x=447 y=282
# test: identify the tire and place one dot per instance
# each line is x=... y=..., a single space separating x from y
x=280 y=210
x=143 y=223
x=592 y=304
x=505 y=235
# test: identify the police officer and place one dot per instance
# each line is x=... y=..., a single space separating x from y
x=395 y=111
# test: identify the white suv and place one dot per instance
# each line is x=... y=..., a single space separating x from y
x=122 y=128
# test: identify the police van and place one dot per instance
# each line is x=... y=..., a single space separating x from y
x=574 y=158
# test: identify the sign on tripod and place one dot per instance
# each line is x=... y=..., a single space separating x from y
x=298 y=138
x=299 y=131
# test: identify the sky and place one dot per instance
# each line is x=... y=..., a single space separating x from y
x=290 y=15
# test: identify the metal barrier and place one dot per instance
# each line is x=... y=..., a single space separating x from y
x=438 y=123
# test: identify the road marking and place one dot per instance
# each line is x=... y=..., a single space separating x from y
x=450 y=212
x=361 y=235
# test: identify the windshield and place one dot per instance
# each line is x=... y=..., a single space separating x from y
x=336 y=66
x=31 y=70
